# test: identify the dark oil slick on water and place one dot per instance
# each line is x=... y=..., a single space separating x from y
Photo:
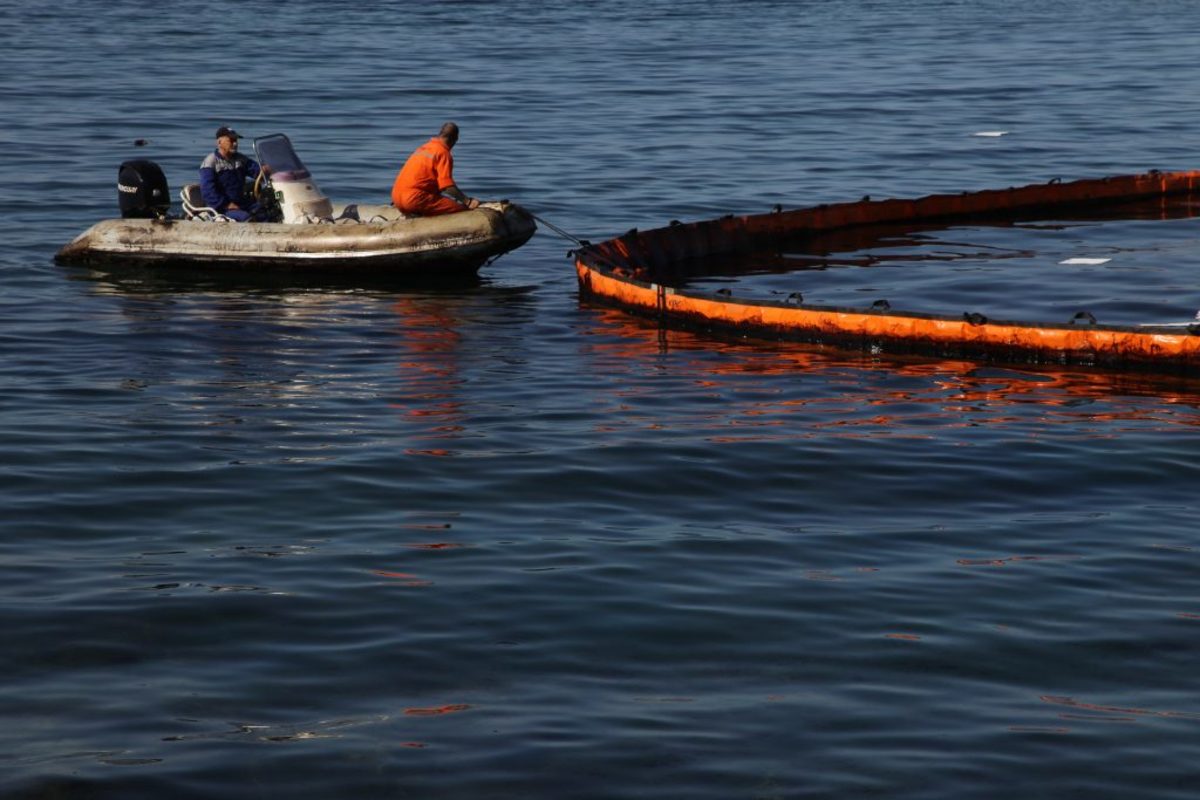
x=272 y=541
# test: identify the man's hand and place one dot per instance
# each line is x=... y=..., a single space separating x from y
x=460 y=196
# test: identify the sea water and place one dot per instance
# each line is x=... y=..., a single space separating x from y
x=492 y=542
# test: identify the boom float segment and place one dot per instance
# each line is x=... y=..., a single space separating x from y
x=633 y=272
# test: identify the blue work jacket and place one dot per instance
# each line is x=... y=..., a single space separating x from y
x=223 y=180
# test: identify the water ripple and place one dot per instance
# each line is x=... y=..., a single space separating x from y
x=491 y=542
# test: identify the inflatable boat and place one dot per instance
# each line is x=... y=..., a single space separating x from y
x=307 y=231
x=644 y=272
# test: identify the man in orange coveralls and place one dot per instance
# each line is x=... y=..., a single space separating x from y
x=427 y=175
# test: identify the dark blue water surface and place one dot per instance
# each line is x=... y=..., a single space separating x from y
x=488 y=542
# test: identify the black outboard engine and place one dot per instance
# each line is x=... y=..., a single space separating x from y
x=142 y=190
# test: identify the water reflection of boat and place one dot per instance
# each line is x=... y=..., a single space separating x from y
x=308 y=233
x=644 y=272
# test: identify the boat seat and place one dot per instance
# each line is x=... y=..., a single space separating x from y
x=194 y=207
x=367 y=212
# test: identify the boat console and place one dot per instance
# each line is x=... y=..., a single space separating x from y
x=296 y=192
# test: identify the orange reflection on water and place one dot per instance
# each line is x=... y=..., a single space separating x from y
x=665 y=699
x=848 y=394
x=821 y=575
x=1141 y=712
x=1096 y=718
x=402 y=578
x=428 y=367
x=1000 y=562
x=437 y=710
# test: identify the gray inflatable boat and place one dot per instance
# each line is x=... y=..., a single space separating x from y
x=311 y=234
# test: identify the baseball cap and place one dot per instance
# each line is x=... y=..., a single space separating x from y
x=227 y=131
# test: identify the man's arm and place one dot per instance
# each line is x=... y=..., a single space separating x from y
x=458 y=194
x=252 y=170
x=444 y=167
x=214 y=195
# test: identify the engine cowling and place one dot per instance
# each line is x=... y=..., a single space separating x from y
x=142 y=190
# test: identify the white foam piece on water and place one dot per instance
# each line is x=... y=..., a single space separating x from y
x=1187 y=324
x=990 y=134
x=1090 y=261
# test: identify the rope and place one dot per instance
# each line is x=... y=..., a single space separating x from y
x=581 y=242
x=559 y=231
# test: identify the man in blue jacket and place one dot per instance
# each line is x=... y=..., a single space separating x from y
x=223 y=176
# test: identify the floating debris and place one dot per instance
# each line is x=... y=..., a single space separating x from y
x=1086 y=261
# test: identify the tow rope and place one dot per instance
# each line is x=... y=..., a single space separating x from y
x=583 y=243
x=560 y=231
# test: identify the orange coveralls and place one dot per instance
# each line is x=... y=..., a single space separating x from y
x=419 y=184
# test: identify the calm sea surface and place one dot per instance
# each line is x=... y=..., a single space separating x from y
x=488 y=542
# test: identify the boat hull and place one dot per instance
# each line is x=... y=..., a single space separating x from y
x=634 y=273
x=365 y=240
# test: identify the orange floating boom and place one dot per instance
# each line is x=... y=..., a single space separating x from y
x=621 y=272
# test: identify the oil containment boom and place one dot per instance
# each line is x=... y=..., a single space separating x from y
x=640 y=272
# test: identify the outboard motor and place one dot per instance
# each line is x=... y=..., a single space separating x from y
x=297 y=193
x=142 y=190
